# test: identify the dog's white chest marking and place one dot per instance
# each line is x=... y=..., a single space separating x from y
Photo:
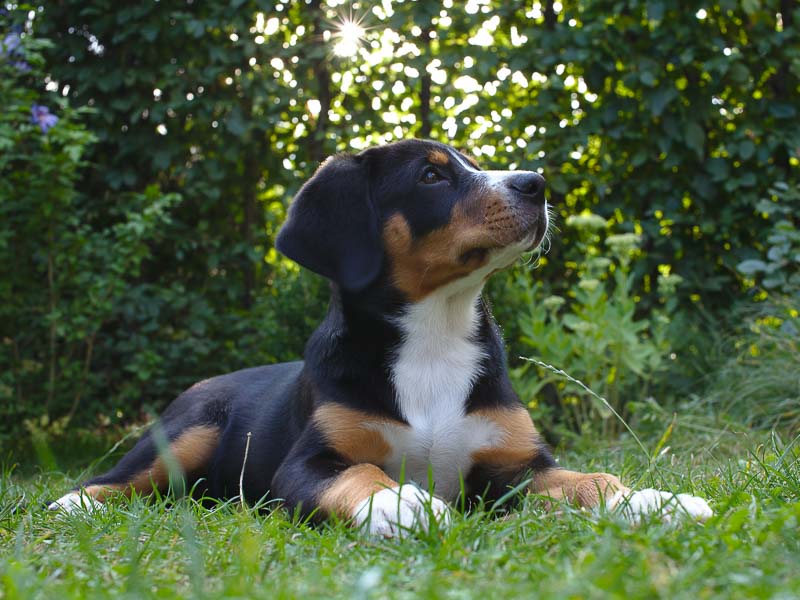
x=436 y=367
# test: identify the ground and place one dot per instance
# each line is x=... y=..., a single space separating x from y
x=163 y=549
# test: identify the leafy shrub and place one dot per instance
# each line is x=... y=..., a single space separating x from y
x=778 y=269
x=63 y=266
x=760 y=383
x=668 y=122
x=593 y=333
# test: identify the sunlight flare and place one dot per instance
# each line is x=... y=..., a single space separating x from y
x=349 y=35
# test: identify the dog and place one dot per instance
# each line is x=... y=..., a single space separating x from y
x=404 y=383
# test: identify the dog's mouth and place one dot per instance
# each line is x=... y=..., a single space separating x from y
x=526 y=239
x=474 y=255
x=536 y=237
x=534 y=231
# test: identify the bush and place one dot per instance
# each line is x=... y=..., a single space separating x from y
x=63 y=267
x=668 y=123
x=778 y=269
x=593 y=333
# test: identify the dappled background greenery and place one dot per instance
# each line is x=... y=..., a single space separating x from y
x=136 y=233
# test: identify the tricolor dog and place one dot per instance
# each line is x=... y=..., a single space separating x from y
x=405 y=381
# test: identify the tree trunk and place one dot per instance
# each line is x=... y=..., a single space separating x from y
x=323 y=77
x=425 y=88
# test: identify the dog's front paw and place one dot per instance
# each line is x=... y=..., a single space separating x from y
x=74 y=502
x=635 y=505
x=400 y=510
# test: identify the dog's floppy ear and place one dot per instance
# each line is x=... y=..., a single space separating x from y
x=332 y=227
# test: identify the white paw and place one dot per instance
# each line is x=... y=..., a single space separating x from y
x=399 y=510
x=74 y=502
x=666 y=504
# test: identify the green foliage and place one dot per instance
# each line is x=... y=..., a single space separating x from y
x=62 y=273
x=595 y=334
x=779 y=269
x=670 y=122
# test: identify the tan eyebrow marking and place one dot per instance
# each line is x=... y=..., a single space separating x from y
x=438 y=157
x=470 y=160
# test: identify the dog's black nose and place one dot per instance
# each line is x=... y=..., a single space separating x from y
x=529 y=184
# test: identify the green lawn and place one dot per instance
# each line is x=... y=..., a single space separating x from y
x=139 y=549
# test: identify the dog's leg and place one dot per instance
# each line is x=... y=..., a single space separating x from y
x=584 y=489
x=521 y=450
x=590 y=490
x=316 y=481
x=366 y=494
x=148 y=466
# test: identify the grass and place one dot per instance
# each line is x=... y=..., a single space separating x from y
x=162 y=549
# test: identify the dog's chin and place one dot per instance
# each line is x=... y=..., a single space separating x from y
x=537 y=230
x=504 y=257
x=534 y=239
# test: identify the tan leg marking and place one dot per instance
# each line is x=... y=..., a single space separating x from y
x=354 y=434
x=353 y=485
x=520 y=442
x=191 y=450
x=583 y=489
x=100 y=492
x=520 y=445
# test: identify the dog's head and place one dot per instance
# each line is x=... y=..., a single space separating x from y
x=418 y=215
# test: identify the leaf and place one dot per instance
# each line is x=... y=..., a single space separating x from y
x=751 y=7
x=661 y=98
x=746 y=149
x=748 y=180
x=577 y=324
x=751 y=267
x=150 y=32
x=655 y=10
x=695 y=137
x=109 y=81
x=778 y=253
x=235 y=122
x=670 y=127
x=559 y=184
x=196 y=28
x=647 y=78
x=766 y=206
x=782 y=110
x=718 y=168
x=776 y=280
x=739 y=73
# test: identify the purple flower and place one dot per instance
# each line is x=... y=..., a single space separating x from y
x=10 y=44
x=42 y=117
x=11 y=49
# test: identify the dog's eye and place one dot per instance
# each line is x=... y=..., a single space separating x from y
x=430 y=175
